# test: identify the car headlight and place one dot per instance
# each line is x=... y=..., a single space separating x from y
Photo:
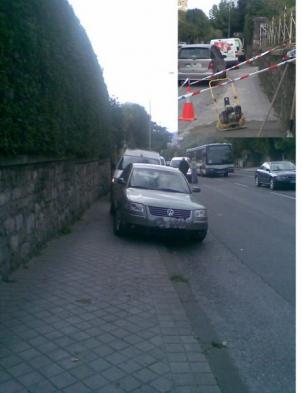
x=199 y=214
x=137 y=209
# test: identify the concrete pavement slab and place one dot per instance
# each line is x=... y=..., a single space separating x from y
x=95 y=313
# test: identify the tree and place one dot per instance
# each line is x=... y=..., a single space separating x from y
x=193 y=26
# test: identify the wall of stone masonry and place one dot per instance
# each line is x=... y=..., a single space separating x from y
x=38 y=200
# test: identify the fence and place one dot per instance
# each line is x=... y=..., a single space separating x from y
x=279 y=30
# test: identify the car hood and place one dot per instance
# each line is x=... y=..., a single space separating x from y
x=162 y=199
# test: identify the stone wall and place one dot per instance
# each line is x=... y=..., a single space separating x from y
x=37 y=200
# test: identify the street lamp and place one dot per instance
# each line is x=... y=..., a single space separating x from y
x=229 y=20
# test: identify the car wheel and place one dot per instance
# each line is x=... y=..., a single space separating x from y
x=199 y=235
x=226 y=174
x=257 y=182
x=272 y=184
x=119 y=227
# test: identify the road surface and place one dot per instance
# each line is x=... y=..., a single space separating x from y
x=255 y=106
x=243 y=279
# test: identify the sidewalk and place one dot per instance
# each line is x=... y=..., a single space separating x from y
x=97 y=314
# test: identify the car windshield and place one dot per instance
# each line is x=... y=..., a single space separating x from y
x=195 y=53
x=153 y=179
x=126 y=160
x=283 y=166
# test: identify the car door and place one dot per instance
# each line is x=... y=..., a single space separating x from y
x=266 y=173
x=261 y=172
x=120 y=186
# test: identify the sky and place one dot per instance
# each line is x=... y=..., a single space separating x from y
x=204 y=5
x=136 y=45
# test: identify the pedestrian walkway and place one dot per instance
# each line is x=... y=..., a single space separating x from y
x=96 y=314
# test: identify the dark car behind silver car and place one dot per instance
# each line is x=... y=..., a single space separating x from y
x=156 y=198
x=276 y=174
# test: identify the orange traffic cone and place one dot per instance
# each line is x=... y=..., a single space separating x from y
x=188 y=113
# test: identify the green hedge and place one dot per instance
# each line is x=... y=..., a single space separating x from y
x=53 y=99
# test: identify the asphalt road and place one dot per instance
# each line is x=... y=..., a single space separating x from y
x=255 y=106
x=243 y=279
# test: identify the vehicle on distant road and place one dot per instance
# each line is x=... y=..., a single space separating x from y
x=157 y=197
x=276 y=174
x=174 y=163
x=231 y=49
x=162 y=160
x=213 y=159
x=198 y=61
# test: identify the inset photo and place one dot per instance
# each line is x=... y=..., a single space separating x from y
x=236 y=68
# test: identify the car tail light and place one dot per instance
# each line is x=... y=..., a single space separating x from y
x=211 y=66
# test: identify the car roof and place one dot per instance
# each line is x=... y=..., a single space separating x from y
x=180 y=158
x=197 y=46
x=278 y=162
x=154 y=166
x=139 y=153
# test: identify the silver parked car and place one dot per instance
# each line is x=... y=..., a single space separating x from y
x=157 y=197
x=199 y=61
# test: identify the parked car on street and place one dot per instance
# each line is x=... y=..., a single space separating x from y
x=136 y=155
x=157 y=197
x=174 y=163
x=276 y=174
x=199 y=61
x=231 y=49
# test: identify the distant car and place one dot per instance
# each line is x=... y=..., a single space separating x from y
x=198 y=61
x=276 y=174
x=174 y=163
x=157 y=197
x=162 y=160
x=231 y=49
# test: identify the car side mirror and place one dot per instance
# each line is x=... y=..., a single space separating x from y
x=195 y=189
x=121 y=180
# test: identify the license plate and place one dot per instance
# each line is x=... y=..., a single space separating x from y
x=175 y=223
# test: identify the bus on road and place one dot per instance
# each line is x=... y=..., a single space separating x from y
x=213 y=159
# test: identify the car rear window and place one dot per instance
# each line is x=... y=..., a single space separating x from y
x=195 y=53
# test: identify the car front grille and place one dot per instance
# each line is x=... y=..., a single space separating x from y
x=169 y=212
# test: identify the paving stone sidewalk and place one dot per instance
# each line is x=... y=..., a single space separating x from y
x=97 y=314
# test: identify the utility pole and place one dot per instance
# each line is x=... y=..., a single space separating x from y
x=150 y=125
x=229 y=20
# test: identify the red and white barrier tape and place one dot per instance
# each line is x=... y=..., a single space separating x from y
x=249 y=61
x=272 y=67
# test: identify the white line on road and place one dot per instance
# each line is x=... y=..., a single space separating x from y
x=242 y=185
x=283 y=195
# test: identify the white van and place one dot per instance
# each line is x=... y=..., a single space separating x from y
x=231 y=49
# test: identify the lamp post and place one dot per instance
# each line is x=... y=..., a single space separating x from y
x=229 y=21
x=150 y=125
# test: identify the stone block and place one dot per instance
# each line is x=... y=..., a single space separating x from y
x=9 y=225
x=14 y=243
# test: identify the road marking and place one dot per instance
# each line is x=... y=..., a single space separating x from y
x=242 y=185
x=283 y=195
